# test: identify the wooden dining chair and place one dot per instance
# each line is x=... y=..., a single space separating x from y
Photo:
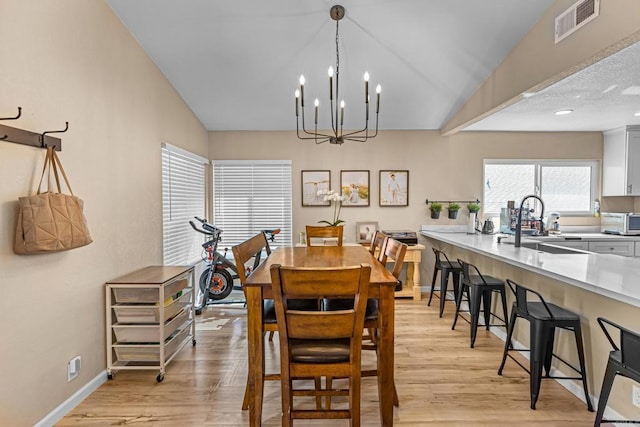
x=377 y=242
x=248 y=255
x=320 y=343
x=392 y=249
x=320 y=231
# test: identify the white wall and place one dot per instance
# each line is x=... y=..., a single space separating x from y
x=72 y=60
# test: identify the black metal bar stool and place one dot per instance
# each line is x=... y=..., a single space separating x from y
x=623 y=360
x=479 y=288
x=445 y=268
x=543 y=319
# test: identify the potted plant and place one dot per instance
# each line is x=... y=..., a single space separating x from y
x=435 y=207
x=473 y=207
x=453 y=209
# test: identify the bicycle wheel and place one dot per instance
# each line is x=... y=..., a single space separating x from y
x=220 y=285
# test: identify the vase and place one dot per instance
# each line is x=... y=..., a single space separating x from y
x=453 y=214
x=435 y=214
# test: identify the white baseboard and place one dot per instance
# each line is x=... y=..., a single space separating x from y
x=58 y=413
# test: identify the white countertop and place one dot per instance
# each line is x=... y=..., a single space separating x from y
x=613 y=276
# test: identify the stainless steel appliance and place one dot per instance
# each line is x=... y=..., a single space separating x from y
x=625 y=224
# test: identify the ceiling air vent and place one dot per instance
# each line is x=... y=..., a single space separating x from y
x=575 y=17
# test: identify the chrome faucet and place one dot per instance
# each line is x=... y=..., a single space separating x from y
x=519 y=223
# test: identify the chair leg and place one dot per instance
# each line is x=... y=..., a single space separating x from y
x=548 y=357
x=396 y=401
x=354 y=399
x=486 y=307
x=578 y=332
x=318 y=384
x=287 y=400
x=328 y=386
x=538 y=341
x=458 y=304
x=245 y=400
x=507 y=343
x=271 y=335
x=456 y=284
x=474 y=310
x=503 y=297
x=444 y=284
x=607 y=383
x=433 y=283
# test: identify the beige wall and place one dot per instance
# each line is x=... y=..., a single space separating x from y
x=444 y=168
x=537 y=61
x=72 y=60
x=587 y=304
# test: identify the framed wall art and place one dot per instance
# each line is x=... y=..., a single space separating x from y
x=365 y=231
x=394 y=188
x=355 y=186
x=312 y=182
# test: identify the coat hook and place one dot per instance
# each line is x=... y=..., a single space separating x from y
x=11 y=118
x=66 y=128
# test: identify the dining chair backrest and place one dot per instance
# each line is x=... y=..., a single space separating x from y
x=468 y=270
x=319 y=231
x=247 y=250
x=377 y=242
x=438 y=253
x=395 y=250
x=629 y=343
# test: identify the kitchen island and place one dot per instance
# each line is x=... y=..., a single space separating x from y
x=591 y=285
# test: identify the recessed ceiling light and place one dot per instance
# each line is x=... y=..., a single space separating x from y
x=637 y=114
x=563 y=112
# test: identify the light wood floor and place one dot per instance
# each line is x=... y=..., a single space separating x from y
x=440 y=381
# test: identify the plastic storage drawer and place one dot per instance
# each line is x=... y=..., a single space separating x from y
x=150 y=352
x=149 y=333
x=149 y=295
x=150 y=313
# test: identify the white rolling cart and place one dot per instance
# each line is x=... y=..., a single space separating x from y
x=150 y=317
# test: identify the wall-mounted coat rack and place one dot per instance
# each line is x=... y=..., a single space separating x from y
x=452 y=201
x=25 y=137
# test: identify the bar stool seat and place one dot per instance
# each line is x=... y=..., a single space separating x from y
x=479 y=289
x=543 y=319
x=446 y=268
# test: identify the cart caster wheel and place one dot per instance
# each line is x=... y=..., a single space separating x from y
x=110 y=376
x=198 y=311
x=193 y=343
x=160 y=378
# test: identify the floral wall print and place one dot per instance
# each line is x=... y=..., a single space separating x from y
x=394 y=188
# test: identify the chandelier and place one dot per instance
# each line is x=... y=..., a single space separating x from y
x=336 y=110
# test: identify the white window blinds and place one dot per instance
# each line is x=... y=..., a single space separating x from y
x=183 y=197
x=250 y=196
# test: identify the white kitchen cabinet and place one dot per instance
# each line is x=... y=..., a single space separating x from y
x=621 y=162
x=612 y=247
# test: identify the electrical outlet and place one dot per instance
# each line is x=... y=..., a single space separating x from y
x=73 y=368
x=635 y=395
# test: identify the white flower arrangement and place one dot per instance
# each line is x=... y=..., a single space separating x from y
x=336 y=199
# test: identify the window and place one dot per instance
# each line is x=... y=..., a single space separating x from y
x=183 y=197
x=250 y=196
x=566 y=186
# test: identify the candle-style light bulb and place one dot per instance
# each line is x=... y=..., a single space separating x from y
x=330 y=72
x=341 y=112
x=302 y=90
x=378 y=90
x=297 y=94
x=366 y=87
x=316 y=103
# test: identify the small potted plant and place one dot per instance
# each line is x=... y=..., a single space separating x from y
x=473 y=207
x=435 y=207
x=453 y=209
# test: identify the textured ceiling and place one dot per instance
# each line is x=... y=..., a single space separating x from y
x=605 y=95
x=236 y=63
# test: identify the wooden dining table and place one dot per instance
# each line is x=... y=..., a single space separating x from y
x=258 y=287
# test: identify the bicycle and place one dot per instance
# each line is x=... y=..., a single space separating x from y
x=216 y=280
